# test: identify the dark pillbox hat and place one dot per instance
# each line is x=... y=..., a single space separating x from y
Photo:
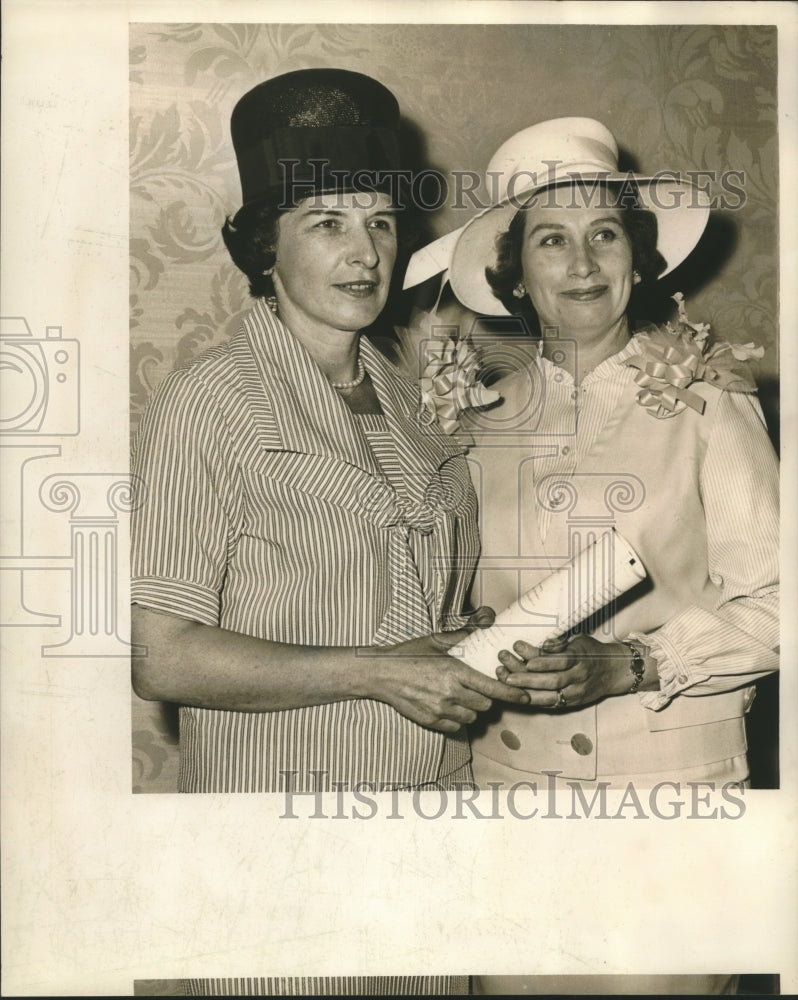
x=313 y=130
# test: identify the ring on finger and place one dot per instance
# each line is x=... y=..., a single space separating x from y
x=561 y=701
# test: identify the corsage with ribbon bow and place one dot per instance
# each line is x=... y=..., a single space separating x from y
x=680 y=353
x=448 y=369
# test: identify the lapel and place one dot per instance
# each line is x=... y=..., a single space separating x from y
x=420 y=449
x=294 y=406
x=296 y=410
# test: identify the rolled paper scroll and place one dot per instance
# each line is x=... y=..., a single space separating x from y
x=603 y=570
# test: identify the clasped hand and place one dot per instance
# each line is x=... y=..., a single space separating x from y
x=565 y=673
x=424 y=683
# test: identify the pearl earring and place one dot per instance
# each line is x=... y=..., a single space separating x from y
x=519 y=291
x=271 y=302
x=636 y=277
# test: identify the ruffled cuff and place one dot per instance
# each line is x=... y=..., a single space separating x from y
x=674 y=671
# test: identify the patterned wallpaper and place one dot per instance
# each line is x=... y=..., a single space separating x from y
x=676 y=97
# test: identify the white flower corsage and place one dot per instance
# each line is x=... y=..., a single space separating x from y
x=676 y=355
x=448 y=369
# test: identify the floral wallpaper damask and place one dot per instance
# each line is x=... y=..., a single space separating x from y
x=676 y=97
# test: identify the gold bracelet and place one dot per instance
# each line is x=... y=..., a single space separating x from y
x=637 y=666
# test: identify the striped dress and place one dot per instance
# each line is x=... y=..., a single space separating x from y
x=331 y=986
x=273 y=511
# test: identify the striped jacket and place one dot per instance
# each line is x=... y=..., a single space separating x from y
x=268 y=513
x=329 y=986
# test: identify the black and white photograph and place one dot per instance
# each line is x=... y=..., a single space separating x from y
x=398 y=410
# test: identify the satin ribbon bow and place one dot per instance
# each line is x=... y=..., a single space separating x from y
x=674 y=357
x=663 y=376
x=450 y=383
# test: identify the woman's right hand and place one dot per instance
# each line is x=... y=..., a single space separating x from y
x=431 y=688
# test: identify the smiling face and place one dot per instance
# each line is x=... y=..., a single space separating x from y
x=577 y=268
x=335 y=256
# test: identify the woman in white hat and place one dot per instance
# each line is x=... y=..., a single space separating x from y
x=656 y=434
x=296 y=551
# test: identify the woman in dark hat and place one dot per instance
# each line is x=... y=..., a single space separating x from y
x=305 y=541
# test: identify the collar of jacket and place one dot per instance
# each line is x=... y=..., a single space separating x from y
x=297 y=409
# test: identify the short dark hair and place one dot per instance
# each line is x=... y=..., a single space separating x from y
x=251 y=240
x=639 y=224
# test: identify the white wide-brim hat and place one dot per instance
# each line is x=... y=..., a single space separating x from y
x=555 y=153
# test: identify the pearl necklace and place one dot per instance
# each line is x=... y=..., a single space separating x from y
x=355 y=382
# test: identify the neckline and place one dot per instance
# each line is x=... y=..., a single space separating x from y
x=614 y=361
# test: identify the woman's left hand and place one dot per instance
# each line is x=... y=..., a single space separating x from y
x=567 y=673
